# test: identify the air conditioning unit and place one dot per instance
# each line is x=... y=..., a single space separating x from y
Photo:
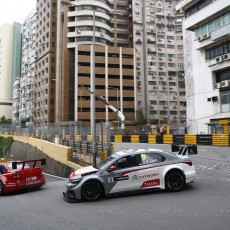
x=164 y=87
x=78 y=31
x=102 y=34
x=219 y=59
x=205 y=36
x=170 y=59
x=153 y=57
x=160 y=58
x=152 y=11
x=174 y=97
x=165 y=106
x=199 y=39
x=151 y=106
x=217 y=85
x=137 y=11
x=138 y=58
x=212 y=63
x=224 y=83
x=161 y=76
x=226 y=56
x=169 y=40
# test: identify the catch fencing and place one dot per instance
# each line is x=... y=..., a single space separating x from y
x=76 y=135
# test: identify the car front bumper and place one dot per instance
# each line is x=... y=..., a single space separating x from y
x=70 y=197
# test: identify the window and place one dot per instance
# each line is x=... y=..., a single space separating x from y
x=150 y=158
x=2 y=169
x=127 y=162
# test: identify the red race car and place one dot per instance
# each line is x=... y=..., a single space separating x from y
x=19 y=175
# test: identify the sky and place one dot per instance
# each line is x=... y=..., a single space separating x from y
x=15 y=10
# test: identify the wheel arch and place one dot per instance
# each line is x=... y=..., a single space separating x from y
x=174 y=169
x=98 y=181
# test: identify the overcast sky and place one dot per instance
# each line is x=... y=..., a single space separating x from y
x=15 y=10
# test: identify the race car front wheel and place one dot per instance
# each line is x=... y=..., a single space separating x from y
x=1 y=188
x=91 y=190
x=174 y=181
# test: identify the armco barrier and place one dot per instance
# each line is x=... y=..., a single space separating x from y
x=220 y=140
x=204 y=139
x=143 y=139
x=178 y=139
x=193 y=139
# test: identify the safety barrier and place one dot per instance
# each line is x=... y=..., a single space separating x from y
x=195 y=139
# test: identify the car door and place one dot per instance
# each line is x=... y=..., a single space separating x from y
x=150 y=173
x=125 y=177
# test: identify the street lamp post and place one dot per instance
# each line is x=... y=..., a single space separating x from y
x=93 y=121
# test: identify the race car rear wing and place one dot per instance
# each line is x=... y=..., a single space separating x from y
x=185 y=149
x=15 y=163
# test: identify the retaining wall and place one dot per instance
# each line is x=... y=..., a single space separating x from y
x=57 y=156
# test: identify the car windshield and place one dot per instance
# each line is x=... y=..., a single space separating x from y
x=106 y=161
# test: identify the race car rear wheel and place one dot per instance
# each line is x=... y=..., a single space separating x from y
x=174 y=181
x=91 y=190
x=1 y=188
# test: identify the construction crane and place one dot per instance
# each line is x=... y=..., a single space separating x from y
x=103 y=100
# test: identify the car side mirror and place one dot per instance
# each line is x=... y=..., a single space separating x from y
x=112 y=168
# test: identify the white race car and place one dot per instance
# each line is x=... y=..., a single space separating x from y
x=133 y=171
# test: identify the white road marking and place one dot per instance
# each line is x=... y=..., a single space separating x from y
x=63 y=178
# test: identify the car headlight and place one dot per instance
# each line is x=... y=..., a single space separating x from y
x=75 y=181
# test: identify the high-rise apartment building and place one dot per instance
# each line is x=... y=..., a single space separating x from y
x=65 y=31
x=10 y=47
x=158 y=41
x=45 y=60
x=26 y=105
x=110 y=24
x=207 y=63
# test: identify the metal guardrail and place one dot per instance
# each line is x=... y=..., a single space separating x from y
x=198 y=139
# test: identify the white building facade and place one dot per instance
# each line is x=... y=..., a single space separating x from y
x=206 y=29
x=6 y=39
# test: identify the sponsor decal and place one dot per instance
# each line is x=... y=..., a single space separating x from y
x=150 y=183
x=120 y=178
x=33 y=182
x=135 y=178
x=149 y=175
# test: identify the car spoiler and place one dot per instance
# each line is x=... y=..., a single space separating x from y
x=15 y=163
x=184 y=149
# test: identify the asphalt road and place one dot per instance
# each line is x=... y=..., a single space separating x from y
x=203 y=205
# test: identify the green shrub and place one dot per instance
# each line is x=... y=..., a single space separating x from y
x=5 y=143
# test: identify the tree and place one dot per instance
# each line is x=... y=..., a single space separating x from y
x=141 y=119
x=3 y=120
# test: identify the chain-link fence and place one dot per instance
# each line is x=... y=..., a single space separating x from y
x=76 y=135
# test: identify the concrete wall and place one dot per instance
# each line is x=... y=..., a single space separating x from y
x=57 y=156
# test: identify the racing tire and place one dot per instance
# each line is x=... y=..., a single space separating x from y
x=91 y=191
x=174 y=181
x=1 y=188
